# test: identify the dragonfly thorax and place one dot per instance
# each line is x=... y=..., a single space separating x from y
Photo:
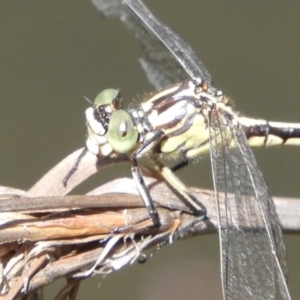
x=181 y=113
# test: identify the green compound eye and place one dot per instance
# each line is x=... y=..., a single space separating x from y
x=122 y=135
x=106 y=97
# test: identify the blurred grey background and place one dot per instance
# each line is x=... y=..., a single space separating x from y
x=53 y=53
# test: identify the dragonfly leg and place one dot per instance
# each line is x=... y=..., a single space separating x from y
x=144 y=192
x=138 y=176
x=180 y=165
x=197 y=207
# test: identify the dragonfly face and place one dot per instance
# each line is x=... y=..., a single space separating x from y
x=110 y=129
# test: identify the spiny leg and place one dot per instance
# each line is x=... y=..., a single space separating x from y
x=144 y=192
x=138 y=176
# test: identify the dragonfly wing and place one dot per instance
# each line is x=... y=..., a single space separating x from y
x=252 y=248
x=165 y=57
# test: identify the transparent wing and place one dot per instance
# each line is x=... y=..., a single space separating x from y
x=252 y=248
x=165 y=57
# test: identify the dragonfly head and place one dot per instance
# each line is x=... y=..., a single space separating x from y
x=110 y=128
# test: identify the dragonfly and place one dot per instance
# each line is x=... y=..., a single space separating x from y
x=187 y=118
